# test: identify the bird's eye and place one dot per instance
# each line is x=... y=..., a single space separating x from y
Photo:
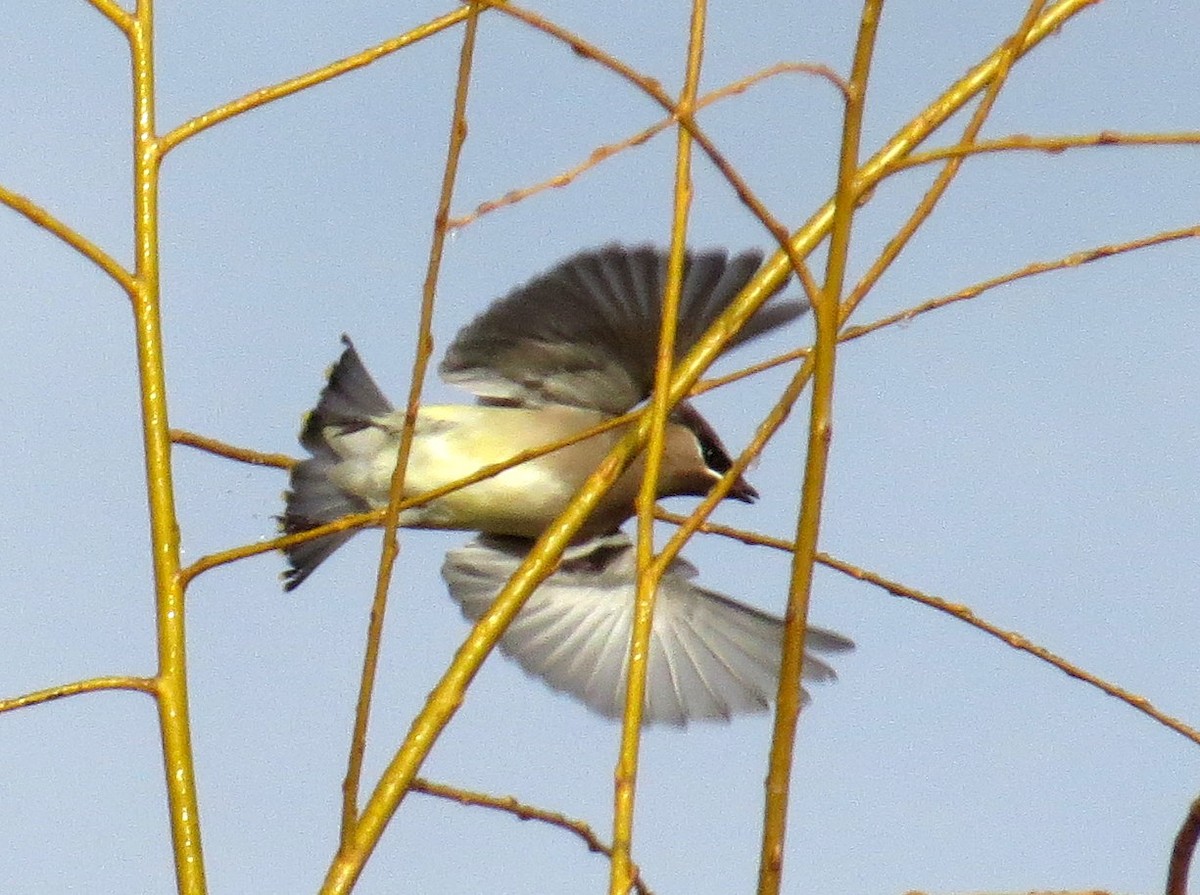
x=714 y=456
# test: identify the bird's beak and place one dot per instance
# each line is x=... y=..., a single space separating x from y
x=743 y=491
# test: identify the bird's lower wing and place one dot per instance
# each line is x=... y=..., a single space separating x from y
x=710 y=657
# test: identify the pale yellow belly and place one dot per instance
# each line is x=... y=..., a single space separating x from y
x=453 y=442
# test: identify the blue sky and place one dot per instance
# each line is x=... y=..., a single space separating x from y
x=1031 y=453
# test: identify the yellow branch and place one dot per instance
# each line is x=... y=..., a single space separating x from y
x=820 y=431
x=354 y=849
x=648 y=574
x=1049 y=144
x=171 y=681
x=114 y=13
x=71 y=237
x=92 y=685
x=524 y=811
x=266 y=95
x=231 y=451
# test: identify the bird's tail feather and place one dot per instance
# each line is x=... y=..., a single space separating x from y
x=313 y=500
x=348 y=401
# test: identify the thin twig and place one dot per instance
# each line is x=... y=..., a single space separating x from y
x=602 y=153
x=1050 y=145
x=901 y=318
x=266 y=95
x=71 y=237
x=956 y=609
x=686 y=120
x=1075 y=259
x=1016 y=641
x=524 y=811
x=92 y=685
x=360 y=835
x=231 y=451
x=245 y=551
x=375 y=517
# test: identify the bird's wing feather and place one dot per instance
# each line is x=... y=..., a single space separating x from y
x=710 y=657
x=586 y=332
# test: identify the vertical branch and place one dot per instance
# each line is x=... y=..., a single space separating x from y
x=171 y=681
x=1005 y=57
x=625 y=776
x=824 y=355
x=1183 y=850
x=351 y=852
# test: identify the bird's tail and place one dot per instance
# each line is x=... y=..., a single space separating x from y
x=313 y=500
x=348 y=402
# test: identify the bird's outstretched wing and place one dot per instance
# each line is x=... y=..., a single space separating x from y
x=586 y=332
x=710 y=657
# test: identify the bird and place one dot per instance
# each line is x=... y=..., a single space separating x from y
x=569 y=350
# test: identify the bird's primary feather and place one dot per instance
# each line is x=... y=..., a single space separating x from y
x=711 y=657
x=586 y=332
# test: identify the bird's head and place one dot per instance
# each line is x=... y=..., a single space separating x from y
x=695 y=459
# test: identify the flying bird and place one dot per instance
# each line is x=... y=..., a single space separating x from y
x=569 y=350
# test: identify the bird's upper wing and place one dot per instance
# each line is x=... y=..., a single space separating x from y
x=710 y=657
x=586 y=332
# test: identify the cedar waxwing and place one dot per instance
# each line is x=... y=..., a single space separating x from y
x=559 y=355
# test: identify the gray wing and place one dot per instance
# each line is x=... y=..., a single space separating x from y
x=586 y=332
x=710 y=657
